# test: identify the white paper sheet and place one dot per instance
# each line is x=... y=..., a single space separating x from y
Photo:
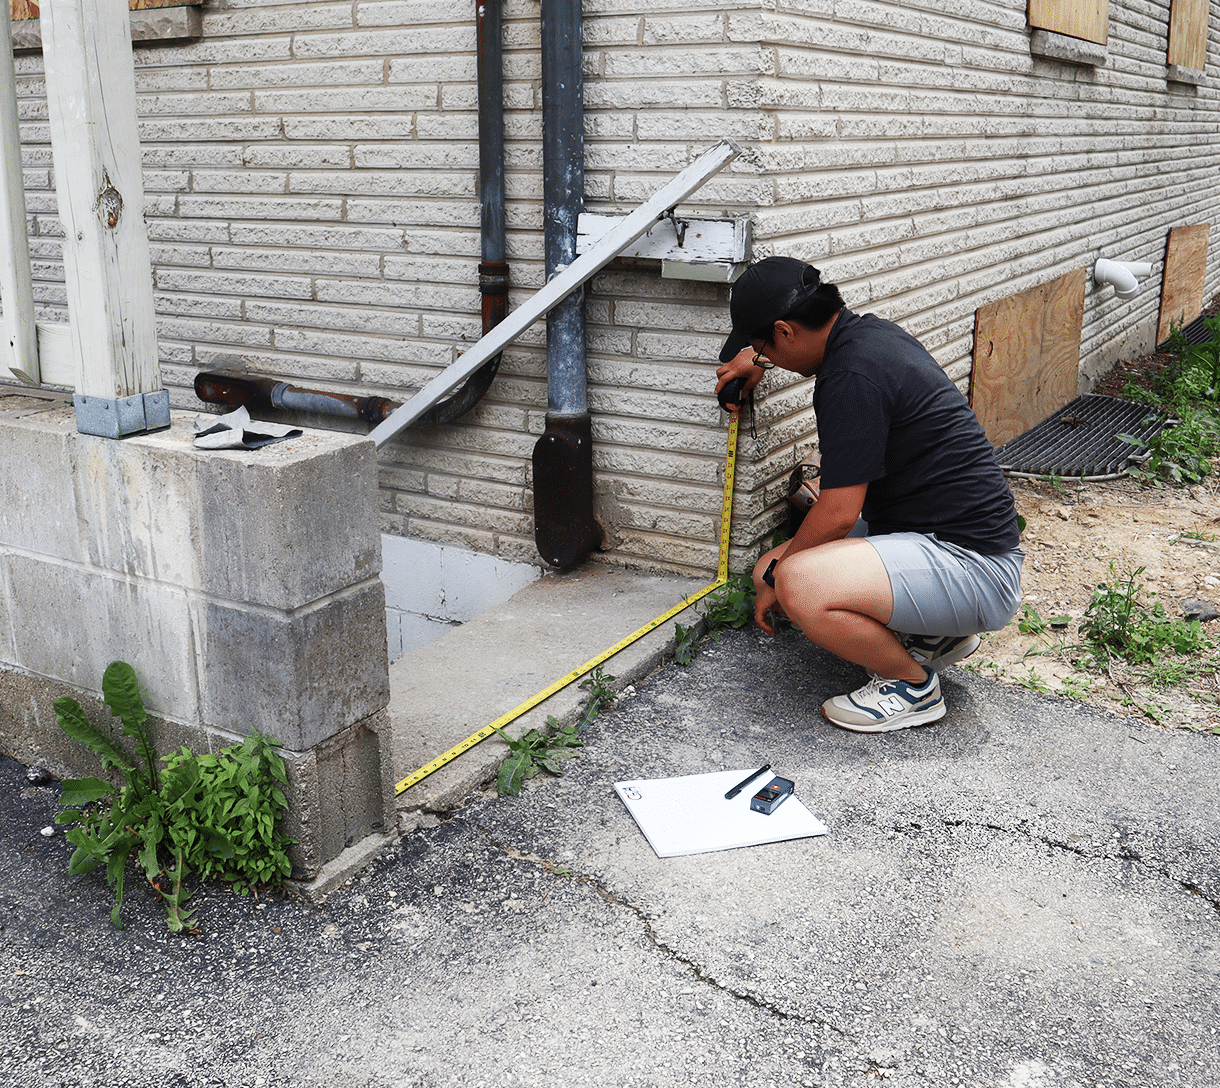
x=689 y=815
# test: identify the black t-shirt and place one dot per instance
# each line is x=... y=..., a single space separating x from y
x=890 y=417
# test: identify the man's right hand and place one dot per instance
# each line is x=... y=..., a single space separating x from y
x=765 y=598
x=740 y=366
x=766 y=602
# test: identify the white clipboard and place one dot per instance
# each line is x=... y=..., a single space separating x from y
x=689 y=815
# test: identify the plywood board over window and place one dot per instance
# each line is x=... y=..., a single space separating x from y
x=1182 y=283
x=1087 y=19
x=1027 y=356
x=1188 y=33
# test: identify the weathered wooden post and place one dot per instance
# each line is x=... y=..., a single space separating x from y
x=16 y=287
x=95 y=144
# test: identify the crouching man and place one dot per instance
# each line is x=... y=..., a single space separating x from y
x=902 y=449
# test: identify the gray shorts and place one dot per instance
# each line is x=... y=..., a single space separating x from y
x=945 y=589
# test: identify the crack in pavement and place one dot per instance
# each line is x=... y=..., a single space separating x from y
x=1123 y=853
x=701 y=973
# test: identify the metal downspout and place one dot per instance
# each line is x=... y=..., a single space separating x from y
x=493 y=269
x=565 y=529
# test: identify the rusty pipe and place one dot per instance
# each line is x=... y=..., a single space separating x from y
x=493 y=269
x=229 y=387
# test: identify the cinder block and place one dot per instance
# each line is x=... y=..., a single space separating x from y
x=361 y=798
x=69 y=623
x=326 y=809
x=326 y=74
x=37 y=504
x=418 y=630
x=390 y=126
x=290 y=523
x=300 y=676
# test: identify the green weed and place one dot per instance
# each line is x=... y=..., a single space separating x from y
x=1164 y=674
x=205 y=816
x=1076 y=687
x=1117 y=624
x=535 y=751
x=687 y=644
x=1034 y=682
x=728 y=609
x=1180 y=453
x=1031 y=623
x=538 y=750
x=1189 y=389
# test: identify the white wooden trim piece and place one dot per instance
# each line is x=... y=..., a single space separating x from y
x=55 y=357
x=16 y=277
x=91 y=99
x=562 y=284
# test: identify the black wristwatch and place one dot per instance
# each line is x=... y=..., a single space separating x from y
x=769 y=574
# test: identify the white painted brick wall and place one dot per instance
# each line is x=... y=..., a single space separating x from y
x=312 y=206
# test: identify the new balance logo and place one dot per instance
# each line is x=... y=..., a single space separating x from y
x=892 y=704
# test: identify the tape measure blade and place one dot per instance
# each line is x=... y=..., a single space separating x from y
x=726 y=512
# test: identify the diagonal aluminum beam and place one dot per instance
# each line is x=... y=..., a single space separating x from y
x=587 y=265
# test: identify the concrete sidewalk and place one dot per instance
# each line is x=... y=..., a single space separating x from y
x=448 y=689
x=1022 y=895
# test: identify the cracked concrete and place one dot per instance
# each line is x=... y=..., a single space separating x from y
x=1023 y=895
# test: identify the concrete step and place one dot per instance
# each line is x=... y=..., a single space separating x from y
x=446 y=690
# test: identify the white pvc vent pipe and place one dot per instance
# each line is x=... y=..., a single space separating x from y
x=1122 y=276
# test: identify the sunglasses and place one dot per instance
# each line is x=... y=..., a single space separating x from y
x=761 y=361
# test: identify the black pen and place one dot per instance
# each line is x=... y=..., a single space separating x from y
x=742 y=785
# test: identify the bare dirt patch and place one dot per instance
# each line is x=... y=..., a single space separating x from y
x=1074 y=534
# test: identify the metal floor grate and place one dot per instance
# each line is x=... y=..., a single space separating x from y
x=1196 y=333
x=1081 y=439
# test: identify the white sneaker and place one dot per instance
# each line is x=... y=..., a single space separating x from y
x=936 y=652
x=884 y=705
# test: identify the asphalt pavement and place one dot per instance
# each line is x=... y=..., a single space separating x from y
x=1023 y=895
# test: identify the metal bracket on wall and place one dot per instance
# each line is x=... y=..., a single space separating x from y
x=587 y=265
x=711 y=250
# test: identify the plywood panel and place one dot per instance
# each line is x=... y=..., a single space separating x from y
x=1188 y=33
x=1027 y=356
x=1087 y=19
x=1182 y=283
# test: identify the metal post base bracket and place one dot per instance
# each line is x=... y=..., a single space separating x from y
x=117 y=418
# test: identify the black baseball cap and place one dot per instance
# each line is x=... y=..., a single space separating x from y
x=766 y=292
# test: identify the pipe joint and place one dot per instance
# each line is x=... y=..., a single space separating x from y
x=1122 y=276
x=493 y=277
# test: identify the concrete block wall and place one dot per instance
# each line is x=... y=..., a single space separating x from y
x=242 y=586
x=311 y=188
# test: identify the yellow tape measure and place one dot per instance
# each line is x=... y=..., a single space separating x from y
x=722 y=576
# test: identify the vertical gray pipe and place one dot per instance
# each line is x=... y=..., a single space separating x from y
x=493 y=268
x=490 y=22
x=565 y=529
x=563 y=194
